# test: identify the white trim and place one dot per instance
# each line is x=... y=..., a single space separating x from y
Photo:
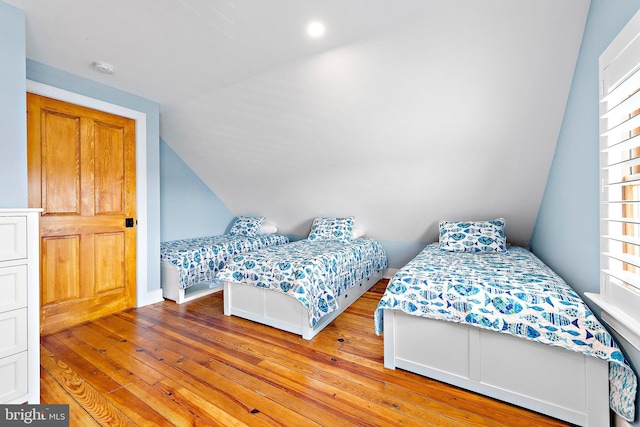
x=621 y=321
x=619 y=44
x=153 y=297
x=143 y=297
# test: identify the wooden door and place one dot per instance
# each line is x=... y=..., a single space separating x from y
x=81 y=166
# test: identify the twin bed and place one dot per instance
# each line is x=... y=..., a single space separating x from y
x=474 y=313
x=189 y=267
x=468 y=311
x=301 y=287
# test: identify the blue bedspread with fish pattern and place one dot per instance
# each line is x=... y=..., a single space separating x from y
x=200 y=259
x=514 y=293
x=315 y=272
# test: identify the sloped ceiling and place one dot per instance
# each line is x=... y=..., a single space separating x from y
x=406 y=112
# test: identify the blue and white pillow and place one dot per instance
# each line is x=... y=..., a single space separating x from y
x=473 y=236
x=246 y=226
x=339 y=229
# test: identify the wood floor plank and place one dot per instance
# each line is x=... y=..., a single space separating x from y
x=156 y=397
x=241 y=388
x=280 y=390
x=185 y=369
x=53 y=392
x=74 y=362
x=166 y=351
x=207 y=410
x=90 y=364
x=362 y=403
x=189 y=365
x=77 y=388
x=87 y=341
x=228 y=363
x=107 y=377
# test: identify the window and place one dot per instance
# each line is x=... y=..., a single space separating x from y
x=620 y=175
x=619 y=295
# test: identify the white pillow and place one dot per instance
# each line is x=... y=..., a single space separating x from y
x=267 y=227
x=357 y=232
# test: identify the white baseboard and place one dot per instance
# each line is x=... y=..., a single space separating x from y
x=151 y=297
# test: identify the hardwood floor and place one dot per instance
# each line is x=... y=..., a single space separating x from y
x=188 y=364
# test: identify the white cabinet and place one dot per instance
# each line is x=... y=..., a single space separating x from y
x=19 y=306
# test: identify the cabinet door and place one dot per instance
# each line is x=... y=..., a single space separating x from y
x=13 y=378
x=13 y=332
x=13 y=237
x=13 y=287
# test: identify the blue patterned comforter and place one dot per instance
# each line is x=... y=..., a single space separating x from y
x=314 y=272
x=200 y=259
x=512 y=293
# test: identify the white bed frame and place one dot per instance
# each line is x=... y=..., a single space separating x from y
x=282 y=311
x=169 y=280
x=551 y=380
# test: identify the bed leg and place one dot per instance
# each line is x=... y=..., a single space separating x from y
x=389 y=340
x=307 y=331
x=597 y=404
x=227 y=299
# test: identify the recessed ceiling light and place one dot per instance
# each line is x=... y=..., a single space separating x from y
x=315 y=29
x=103 y=67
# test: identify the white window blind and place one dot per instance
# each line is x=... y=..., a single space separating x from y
x=620 y=179
x=619 y=296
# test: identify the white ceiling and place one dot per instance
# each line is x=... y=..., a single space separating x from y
x=407 y=111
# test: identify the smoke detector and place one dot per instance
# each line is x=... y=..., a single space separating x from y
x=103 y=67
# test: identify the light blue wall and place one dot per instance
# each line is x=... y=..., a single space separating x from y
x=565 y=236
x=53 y=77
x=400 y=253
x=188 y=208
x=13 y=107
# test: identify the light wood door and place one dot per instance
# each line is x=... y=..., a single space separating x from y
x=82 y=174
